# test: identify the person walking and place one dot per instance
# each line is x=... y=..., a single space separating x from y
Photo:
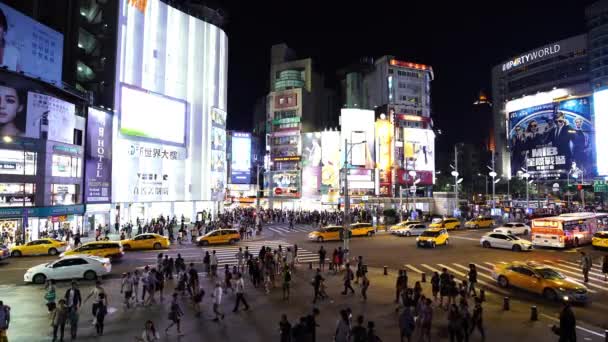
x=407 y=324
x=193 y=281
x=359 y=272
x=175 y=314
x=364 y=284
x=399 y=285
x=342 y=328
x=371 y=332
x=98 y=289
x=59 y=318
x=126 y=287
x=286 y=282
x=426 y=320
x=444 y=286
x=316 y=284
x=207 y=263
x=322 y=255
x=197 y=300
x=285 y=329
x=149 y=334
x=472 y=276
x=240 y=293
x=567 y=324
x=240 y=257
x=586 y=264
x=605 y=267
x=213 y=262
x=50 y=295
x=100 y=315
x=477 y=319
x=5 y=320
x=73 y=301
x=348 y=278
x=217 y=301
x=358 y=332
x=435 y=284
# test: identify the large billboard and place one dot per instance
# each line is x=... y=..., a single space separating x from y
x=285 y=183
x=600 y=111
x=311 y=164
x=357 y=126
x=550 y=139
x=418 y=155
x=330 y=162
x=162 y=50
x=98 y=157
x=240 y=161
x=29 y=46
x=55 y=116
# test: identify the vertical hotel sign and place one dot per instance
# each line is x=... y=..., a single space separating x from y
x=98 y=157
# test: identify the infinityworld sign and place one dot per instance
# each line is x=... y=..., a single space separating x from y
x=531 y=56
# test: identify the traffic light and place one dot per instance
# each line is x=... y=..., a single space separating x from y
x=579 y=187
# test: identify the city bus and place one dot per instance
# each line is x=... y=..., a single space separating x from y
x=567 y=230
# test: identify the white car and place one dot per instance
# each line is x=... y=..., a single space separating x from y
x=88 y=267
x=506 y=241
x=513 y=228
x=410 y=230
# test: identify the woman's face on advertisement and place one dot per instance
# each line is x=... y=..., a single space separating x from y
x=9 y=104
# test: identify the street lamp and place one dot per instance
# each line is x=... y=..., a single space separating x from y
x=486 y=182
x=526 y=175
x=346 y=223
x=7 y=139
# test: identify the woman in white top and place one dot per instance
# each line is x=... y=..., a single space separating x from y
x=149 y=334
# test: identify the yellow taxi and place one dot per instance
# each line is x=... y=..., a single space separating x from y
x=447 y=223
x=600 y=239
x=39 y=247
x=327 y=234
x=219 y=236
x=146 y=241
x=480 y=222
x=540 y=279
x=102 y=249
x=403 y=224
x=362 y=229
x=433 y=237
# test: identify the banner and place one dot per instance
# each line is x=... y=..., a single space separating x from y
x=551 y=139
x=98 y=157
x=330 y=160
x=30 y=47
x=218 y=154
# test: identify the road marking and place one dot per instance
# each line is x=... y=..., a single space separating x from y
x=491 y=286
x=479 y=273
x=578 y=269
x=484 y=268
x=578 y=326
x=15 y=268
x=413 y=268
x=463 y=238
x=597 y=272
x=430 y=268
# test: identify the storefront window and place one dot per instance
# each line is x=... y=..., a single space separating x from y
x=14 y=162
x=15 y=194
x=66 y=166
x=65 y=194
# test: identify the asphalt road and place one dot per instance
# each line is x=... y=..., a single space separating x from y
x=395 y=253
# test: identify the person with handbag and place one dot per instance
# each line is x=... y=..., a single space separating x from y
x=175 y=314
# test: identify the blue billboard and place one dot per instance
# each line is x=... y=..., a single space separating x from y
x=240 y=164
x=552 y=139
x=27 y=45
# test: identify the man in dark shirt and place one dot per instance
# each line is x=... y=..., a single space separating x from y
x=358 y=332
x=316 y=283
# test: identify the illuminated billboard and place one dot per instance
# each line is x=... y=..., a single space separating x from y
x=330 y=161
x=162 y=50
x=55 y=116
x=30 y=47
x=240 y=162
x=600 y=110
x=98 y=157
x=550 y=138
x=357 y=127
x=152 y=116
x=285 y=183
x=311 y=149
x=418 y=155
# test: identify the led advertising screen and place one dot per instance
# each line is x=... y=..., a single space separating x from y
x=358 y=128
x=285 y=183
x=330 y=161
x=29 y=46
x=162 y=50
x=600 y=110
x=418 y=155
x=549 y=139
x=311 y=149
x=55 y=116
x=218 y=153
x=240 y=164
x=98 y=157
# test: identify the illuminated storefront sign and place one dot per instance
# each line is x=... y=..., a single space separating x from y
x=531 y=56
x=295 y=119
x=285 y=159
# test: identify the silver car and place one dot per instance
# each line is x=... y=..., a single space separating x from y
x=411 y=230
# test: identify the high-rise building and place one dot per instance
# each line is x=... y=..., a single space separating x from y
x=597 y=24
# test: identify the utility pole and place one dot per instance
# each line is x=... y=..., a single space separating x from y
x=493 y=181
x=257 y=194
x=346 y=222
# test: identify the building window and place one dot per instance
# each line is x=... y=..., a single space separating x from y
x=15 y=194
x=66 y=166
x=15 y=162
x=65 y=194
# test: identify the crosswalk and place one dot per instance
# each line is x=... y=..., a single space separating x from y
x=569 y=269
x=283 y=228
x=226 y=254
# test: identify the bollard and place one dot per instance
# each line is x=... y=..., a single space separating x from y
x=533 y=313
x=482 y=295
x=505 y=304
x=423 y=277
x=310 y=265
x=385 y=270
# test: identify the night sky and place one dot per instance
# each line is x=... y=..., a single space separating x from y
x=461 y=41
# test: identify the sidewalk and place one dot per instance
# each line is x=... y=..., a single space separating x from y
x=30 y=321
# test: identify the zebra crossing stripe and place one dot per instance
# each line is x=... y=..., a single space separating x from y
x=479 y=273
x=430 y=268
x=593 y=275
x=484 y=268
x=597 y=272
x=491 y=286
x=413 y=268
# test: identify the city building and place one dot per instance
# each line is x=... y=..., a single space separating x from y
x=597 y=24
x=542 y=76
x=298 y=102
